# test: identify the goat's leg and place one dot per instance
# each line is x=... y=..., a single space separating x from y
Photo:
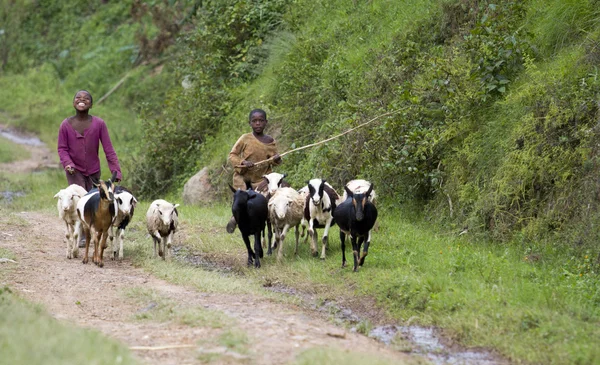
x=96 y=237
x=313 y=238
x=365 y=250
x=120 y=236
x=169 y=242
x=355 y=250
x=69 y=237
x=270 y=237
x=156 y=242
x=249 y=249
x=162 y=248
x=77 y=235
x=281 y=239
x=111 y=238
x=343 y=241
x=103 y=245
x=257 y=250
x=326 y=237
x=88 y=238
x=297 y=234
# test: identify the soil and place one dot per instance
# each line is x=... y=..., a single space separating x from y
x=92 y=297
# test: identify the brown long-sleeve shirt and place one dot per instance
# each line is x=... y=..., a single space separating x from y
x=251 y=149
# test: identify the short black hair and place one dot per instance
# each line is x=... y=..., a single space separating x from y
x=260 y=111
x=85 y=91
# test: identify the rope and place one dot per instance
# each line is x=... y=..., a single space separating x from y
x=330 y=138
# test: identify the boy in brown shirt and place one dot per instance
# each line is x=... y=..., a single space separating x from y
x=249 y=149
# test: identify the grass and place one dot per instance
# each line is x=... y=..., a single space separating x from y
x=534 y=303
x=22 y=325
x=10 y=151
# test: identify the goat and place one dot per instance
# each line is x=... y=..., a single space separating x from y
x=267 y=187
x=67 y=211
x=286 y=209
x=361 y=186
x=318 y=208
x=96 y=211
x=125 y=202
x=162 y=220
x=250 y=211
x=356 y=217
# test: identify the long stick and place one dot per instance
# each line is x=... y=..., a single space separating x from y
x=114 y=88
x=329 y=139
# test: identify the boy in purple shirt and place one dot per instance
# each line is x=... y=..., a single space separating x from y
x=79 y=138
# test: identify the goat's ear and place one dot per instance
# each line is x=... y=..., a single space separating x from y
x=231 y=187
x=134 y=200
x=369 y=191
x=284 y=176
x=248 y=185
x=57 y=194
x=348 y=191
x=113 y=176
x=175 y=206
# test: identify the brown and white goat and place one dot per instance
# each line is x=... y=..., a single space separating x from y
x=96 y=211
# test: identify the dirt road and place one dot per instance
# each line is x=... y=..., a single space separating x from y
x=88 y=296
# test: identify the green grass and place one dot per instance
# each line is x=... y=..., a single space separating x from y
x=10 y=151
x=29 y=336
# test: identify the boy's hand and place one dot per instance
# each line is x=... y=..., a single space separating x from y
x=277 y=158
x=247 y=163
x=70 y=170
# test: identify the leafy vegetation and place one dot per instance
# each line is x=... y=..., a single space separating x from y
x=494 y=135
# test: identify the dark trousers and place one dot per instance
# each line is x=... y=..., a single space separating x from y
x=82 y=180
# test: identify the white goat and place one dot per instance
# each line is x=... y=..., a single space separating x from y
x=67 y=211
x=162 y=220
x=286 y=209
x=125 y=204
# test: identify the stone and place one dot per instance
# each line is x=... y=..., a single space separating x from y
x=198 y=190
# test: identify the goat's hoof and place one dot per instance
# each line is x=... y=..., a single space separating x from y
x=322 y=258
x=101 y=264
x=85 y=261
x=315 y=253
x=343 y=264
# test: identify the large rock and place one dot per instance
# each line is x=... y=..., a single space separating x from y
x=198 y=190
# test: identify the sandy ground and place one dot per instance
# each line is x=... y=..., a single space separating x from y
x=93 y=297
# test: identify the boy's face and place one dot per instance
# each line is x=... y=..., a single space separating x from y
x=258 y=123
x=82 y=101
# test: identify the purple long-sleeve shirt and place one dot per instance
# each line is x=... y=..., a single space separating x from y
x=81 y=151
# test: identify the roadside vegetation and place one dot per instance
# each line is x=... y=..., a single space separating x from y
x=487 y=173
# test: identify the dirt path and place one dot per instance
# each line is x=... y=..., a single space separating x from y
x=92 y=297
x=41 y=156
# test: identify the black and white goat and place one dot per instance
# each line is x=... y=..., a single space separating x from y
x=250 y=211
x=96 y=211
x=356 y=217
x=125 y=203
x=360 y=186
x=320 y=204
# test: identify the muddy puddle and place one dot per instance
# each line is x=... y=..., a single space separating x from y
x=19 y=139
x=9 y=196
x=422 y=341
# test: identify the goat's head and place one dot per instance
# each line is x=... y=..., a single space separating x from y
x=67 y=199
x=274 y=181
x=166 y=212
x=280 y=204
x=358 y=201
x=315 y=190
x=106 y=188
x=126 y=202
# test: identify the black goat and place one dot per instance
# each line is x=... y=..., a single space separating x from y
x=250 y=211
x=355 y=216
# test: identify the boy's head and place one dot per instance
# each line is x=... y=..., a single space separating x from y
x=83 y=100
x=258 y=120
